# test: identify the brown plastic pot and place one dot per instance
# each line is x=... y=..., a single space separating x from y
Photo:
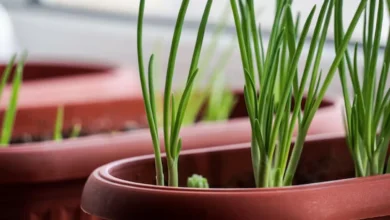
x=44 y=180
x=98 y=96
x=326 y=190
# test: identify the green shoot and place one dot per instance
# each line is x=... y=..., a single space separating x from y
x=6 y=74
x=278 y=82
x=197 y=181
x=10 y=114
x=201 y=96
x=58 y=126
x=172 y=119
x=368 y=118
x=221 y=100
x=76 y=130
x=57 y=136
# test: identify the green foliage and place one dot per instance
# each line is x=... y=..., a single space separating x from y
x=197 y=181
x=57 y=136
x=221 y=100
x=10 y=114
x=278 y=81
x=172 y=118
x=58 y=126
x=368 y=118
x=76 y=131
x=218 y=105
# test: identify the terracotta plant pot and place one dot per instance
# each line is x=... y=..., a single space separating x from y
x=99 y=97
x=323 y=188
x=44 y=180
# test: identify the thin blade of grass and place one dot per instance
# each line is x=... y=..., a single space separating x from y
x=58 y=124
x=6 y=74
x=10 y=114
x=76 y=130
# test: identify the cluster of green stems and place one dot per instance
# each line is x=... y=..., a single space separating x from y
x=367 y=118
x=273 y=84
x=214 y=100
x=280 y=85
x=172 y=116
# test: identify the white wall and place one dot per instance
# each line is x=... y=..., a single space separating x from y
x=50 y=34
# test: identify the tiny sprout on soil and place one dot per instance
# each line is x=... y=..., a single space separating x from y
x=197 y=181
x=58 y=127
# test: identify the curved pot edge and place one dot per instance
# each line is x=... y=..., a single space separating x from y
x=101 y=181
x=103 y=172
x=135 y=143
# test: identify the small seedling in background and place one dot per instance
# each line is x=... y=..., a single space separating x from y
x=197 y=181
x=209 y=95
x=221 y=100
x=368 y=118
x=10 y=114
x=57 y=136
x=172 y=118
x=59 y=123
x=76 y=130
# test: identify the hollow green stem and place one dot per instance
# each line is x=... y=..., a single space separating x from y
x=172 y=117
x=368 y=139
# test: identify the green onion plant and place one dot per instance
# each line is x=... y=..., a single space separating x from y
x=209 y=95
x=10 y=113
x=219 y=99
x=280 y=87
x=172 y=118
x=368 y=111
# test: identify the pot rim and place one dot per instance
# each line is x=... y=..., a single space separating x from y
x=52 y=161
x=60 y=155
x=70 y=143
x=103 y=174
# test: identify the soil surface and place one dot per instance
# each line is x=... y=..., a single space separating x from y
x=66 y=134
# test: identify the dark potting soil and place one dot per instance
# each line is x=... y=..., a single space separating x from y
x=66 y=134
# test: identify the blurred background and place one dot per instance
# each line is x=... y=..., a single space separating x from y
x=105 y=31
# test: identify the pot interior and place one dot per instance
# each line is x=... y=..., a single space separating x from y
x=40 y=71
x=322 y=160
x=37 y=124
